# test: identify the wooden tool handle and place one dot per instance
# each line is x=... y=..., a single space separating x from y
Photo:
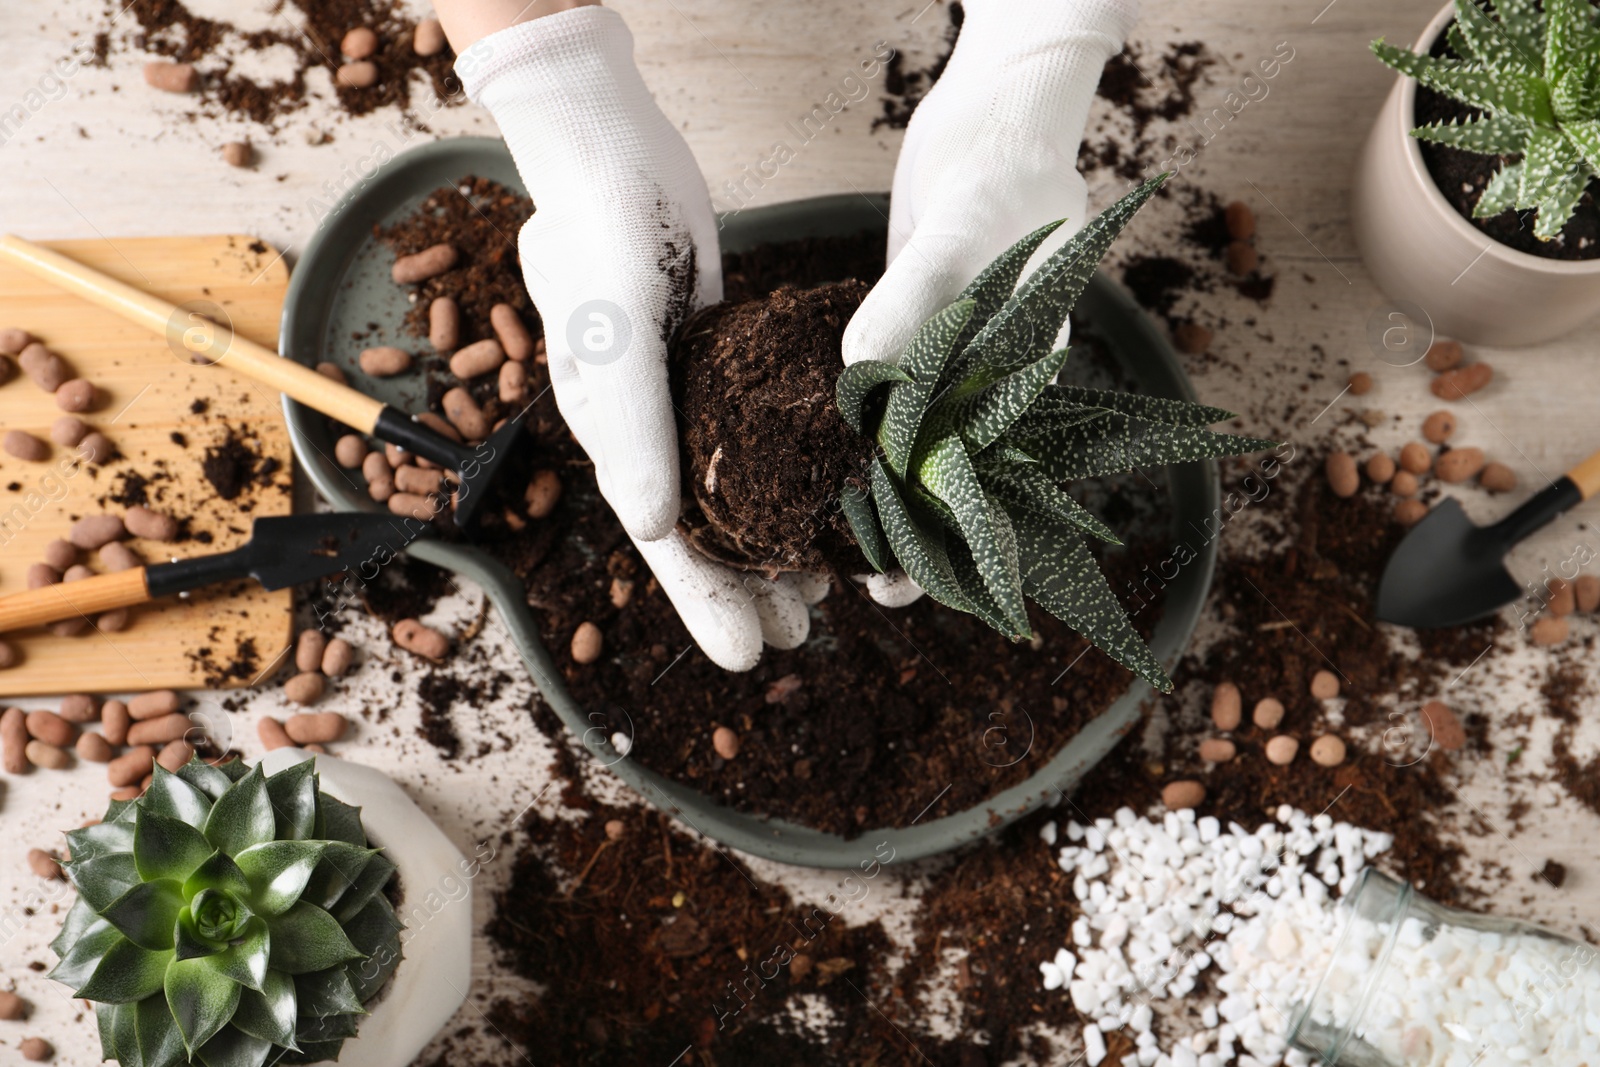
x=1586 y=476
x=215 y=342
x=69 y=600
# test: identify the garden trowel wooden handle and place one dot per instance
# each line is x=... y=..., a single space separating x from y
x=1586 y=476
x=71 y=600
x=214 y=342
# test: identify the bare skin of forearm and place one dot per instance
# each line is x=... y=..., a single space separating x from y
x=469 y=21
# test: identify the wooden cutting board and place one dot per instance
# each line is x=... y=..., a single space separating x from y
x=165 y=416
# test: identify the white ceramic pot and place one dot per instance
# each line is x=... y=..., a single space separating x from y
x=436 y=946
x=1419 y=249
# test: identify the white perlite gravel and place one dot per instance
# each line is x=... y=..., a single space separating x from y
x=1165 y=900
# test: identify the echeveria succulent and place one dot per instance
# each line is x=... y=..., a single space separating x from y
x=977 y=443
x=1532 y=71
x=227 y=918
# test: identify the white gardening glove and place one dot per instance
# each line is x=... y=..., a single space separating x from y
x=990 y=156
x=621 y=247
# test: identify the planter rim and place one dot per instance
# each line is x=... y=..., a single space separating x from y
x=1419 y=167
x=331 y=265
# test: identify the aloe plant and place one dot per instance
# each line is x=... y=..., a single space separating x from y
x=1532 y=72
x=227 y=918
x=975 y=443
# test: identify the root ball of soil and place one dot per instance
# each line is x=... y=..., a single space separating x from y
x=765 y=451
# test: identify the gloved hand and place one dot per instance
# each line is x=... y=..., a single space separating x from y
x=990 y=156
x=621 y=247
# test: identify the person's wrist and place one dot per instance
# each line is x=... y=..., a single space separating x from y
x=466 y=22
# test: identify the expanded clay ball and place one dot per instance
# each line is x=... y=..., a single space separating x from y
x=1324 y=685
x=1268 y=713
x=1183 y=794
x=1227 y=707
x=587 y=641
x=1328 y=751
x=1281 y=750
x=1343 y=478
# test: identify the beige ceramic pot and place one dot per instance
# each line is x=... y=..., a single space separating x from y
x=1421 y=251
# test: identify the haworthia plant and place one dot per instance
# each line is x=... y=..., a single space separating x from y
x=977 y=441
x=1532 y=72
x=228 y=919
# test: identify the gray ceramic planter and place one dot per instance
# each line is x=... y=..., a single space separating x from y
x=341 y=283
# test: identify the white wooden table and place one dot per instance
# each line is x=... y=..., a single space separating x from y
x=108 y=158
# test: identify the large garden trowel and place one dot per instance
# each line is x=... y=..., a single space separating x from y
x=1447 y=571
x=475 y=465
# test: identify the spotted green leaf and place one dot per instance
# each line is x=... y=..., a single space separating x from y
x=982 y=414
x=1062 y=575
x=1500 y=135
x=1585 y=137
x=1512 y=92
x=989 y=291
x=925 y=356
x=1150 y=408
x=1027 y=325
x=1114 y=443
x=1555 y=209
x=1500 y=194
x=1025 y=488
x=1550 y=165
x=920 y=552
x=1523 y=22
x=856 y=383
x=857 y=508
x=947 y=472
x=1484 y=37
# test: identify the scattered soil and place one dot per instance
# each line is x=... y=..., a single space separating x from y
x=235 y=465
x=904 y=89
x=1461 y=176
x=765 y=451
x=481 y=218
x=310 y=33
x=591 y=916
x=1149 y=97
x=1144 y=89
x=663 y=919
x=1291 y=610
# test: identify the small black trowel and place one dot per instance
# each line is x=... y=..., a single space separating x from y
x=1447 y=571
x=282 y=551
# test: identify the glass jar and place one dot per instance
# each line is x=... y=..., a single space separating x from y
x=1412 y=983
